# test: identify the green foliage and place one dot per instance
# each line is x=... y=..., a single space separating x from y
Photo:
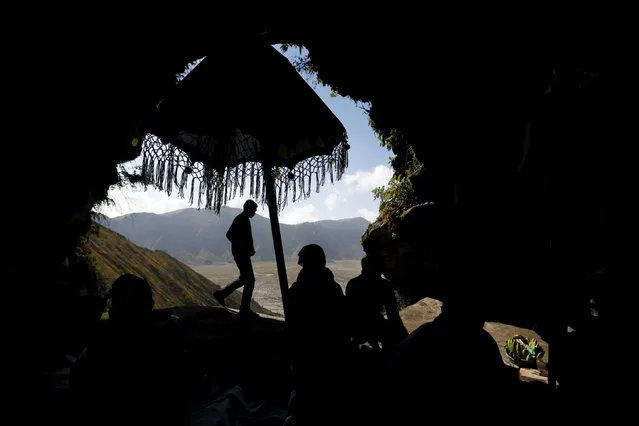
x=524 y=352
x=399 y=195
x=84 y=265
x=390 y=139
x=403 y=301
x=394 y=197
x=304 y=66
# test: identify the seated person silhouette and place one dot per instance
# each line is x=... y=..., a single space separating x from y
x=367 y=297
x=318 y=332
x=130 y=370
x=131 y=300
x=450 y=368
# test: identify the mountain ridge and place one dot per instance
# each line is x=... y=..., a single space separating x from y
x=197 y=237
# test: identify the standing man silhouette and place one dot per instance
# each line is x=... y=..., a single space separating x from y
x=241 y=238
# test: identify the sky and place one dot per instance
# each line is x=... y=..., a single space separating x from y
x=368 y=167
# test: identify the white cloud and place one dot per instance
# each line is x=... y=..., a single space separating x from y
x=331 y=201
x=364 y=181
x=347 y=198
x=299 y=213
x=367 y=214
x=137 y=199
x=237 y=203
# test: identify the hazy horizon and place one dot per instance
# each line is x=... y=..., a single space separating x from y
x=206 y=211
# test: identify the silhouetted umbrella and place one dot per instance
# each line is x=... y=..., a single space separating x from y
x=243 y=116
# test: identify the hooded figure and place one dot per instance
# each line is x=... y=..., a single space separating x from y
x=319 y=339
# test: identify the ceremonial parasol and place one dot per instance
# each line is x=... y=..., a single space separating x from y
x=244 y=116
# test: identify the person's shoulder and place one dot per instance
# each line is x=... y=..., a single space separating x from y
x=336 y=290
x=294 y=289
x=486 y=339
x=424 y=330
x=354 y=285
x=296 y=296
x=413 y=348
x=353 y=282
x=423 y=333
x=328 y=274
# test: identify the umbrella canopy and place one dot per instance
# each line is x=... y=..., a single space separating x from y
x=243 y=108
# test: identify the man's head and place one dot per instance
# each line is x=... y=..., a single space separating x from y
x=250 y=207
x=131 y=298
x=371 y=266
x=312 y=257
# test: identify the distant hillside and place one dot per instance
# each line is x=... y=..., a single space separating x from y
x=197 y=237
x=173 y=283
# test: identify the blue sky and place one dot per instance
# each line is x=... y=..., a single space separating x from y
x=351 y=197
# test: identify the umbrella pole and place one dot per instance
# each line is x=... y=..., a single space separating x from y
x=271 y=199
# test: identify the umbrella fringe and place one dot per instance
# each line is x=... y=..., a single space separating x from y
x=169 y=174
x=161 y=164
x=301 y=183
x=258 y=187
x=145 y=163
x=243 y=181
x=192 y=189
x=294 y=190
x=183 y=181
x=147 y=169
x=252 y=178
x=330 y=169
x=159 y=174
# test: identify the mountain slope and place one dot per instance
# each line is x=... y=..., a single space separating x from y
x=173 y=283
x=198 y=236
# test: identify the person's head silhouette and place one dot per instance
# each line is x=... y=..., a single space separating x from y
x=250 y=208
x=131 y=298
x=312 y=258
x=371 y=266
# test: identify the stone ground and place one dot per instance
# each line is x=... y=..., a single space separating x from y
x=267 y=294
x=427 y=309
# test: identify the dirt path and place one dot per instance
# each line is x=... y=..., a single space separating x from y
x=267 y=288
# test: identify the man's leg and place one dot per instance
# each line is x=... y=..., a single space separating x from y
x=226 y=291
x=247 y=278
